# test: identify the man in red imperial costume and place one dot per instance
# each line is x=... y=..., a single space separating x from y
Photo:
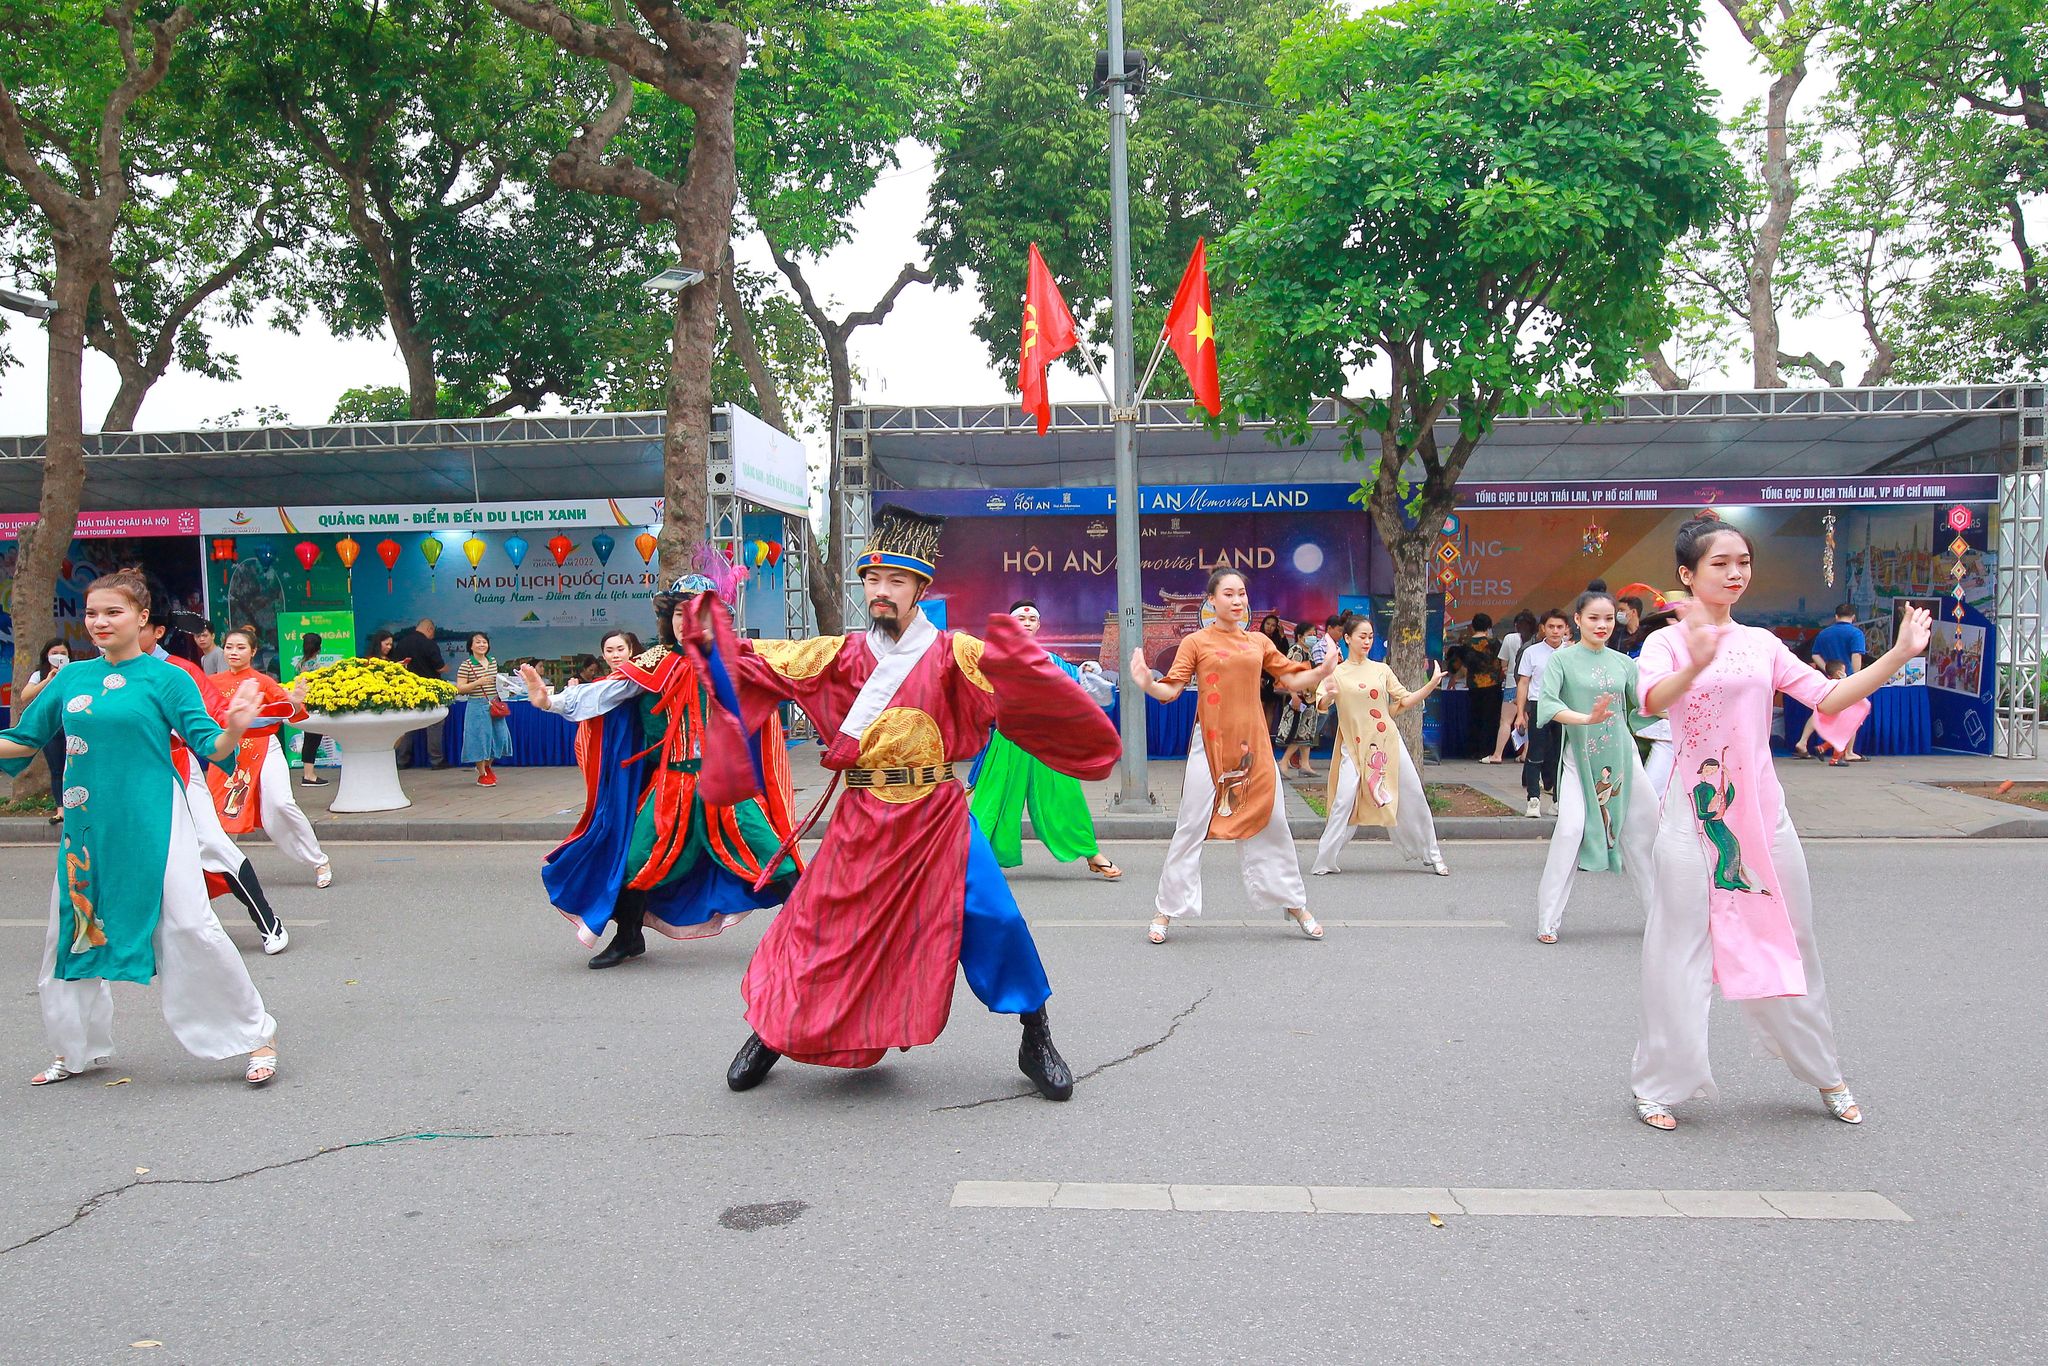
x=861 y=958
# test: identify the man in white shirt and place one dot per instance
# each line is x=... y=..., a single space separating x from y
x=1539 y=757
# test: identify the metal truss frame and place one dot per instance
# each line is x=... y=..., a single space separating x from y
x=2022 y=583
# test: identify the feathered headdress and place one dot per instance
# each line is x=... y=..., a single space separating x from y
x=714 y=573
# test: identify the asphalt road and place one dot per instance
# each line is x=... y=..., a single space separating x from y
x=478 y=1150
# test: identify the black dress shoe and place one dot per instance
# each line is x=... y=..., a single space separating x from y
x=751 y=1064
x=1040 y=1061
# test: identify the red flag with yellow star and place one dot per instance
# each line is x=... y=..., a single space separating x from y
x=1191 y=331
x=1048 y=334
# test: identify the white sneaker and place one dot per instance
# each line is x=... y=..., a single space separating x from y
x=276 y=943
x=1535 y=808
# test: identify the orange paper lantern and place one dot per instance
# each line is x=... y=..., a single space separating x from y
x=645 y=544
x=349 y=548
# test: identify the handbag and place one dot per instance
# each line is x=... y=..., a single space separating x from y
x=500 y=707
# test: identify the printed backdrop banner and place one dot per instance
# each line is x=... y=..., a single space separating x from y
x=515 y=591
x=361 y=521
x=1298 y=565
x=172 y=560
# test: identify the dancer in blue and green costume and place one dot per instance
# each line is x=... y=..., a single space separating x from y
x=649 y=851
x=1007 y=782
x=129 y=902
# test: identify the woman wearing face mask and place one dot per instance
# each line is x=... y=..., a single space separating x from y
x=1606 y=814
x=1539 y=753
x=1731 y=901
x=256 y=793
x=1373 y=781
x=129 y=900
x=55 y=656
x=1232 y=789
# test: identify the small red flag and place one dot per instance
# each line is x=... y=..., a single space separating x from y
x=1191 y=331
x=1048 y=333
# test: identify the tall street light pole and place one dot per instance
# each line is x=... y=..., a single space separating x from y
x=1135 y=794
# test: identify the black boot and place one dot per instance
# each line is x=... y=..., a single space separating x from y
x=629 y=938
x=1040 y=1061
x=750 y=1065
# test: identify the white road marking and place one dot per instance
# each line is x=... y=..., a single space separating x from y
x=1448 y=1201
x=45 y=924
x=1195 y=923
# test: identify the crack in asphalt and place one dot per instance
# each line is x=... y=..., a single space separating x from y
x=1140 y=1051
x=93 y=1204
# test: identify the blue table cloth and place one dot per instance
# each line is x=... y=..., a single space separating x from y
x=540 y=739
x=1900 y=722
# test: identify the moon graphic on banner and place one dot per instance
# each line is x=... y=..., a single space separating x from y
x=1308 y=558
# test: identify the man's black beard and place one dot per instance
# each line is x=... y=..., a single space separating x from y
x=891 y=626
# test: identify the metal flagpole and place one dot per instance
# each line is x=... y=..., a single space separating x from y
x=1136 y=792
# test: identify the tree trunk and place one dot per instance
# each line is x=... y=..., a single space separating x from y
x=1781 y=193
x=703 y=220
x=828 y=591
x=47 y=540
x=1408 y=642
x=1661 y=372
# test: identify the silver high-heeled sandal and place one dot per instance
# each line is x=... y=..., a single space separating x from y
x=1437 y=866
x=1650 y=1111
x=1305 y=921
x=1839 y=1104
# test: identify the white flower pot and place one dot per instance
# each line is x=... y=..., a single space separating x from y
x=369 y=764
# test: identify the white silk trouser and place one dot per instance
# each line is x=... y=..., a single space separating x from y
x=1414 y=829
x=1678 y=973
x=1561 y=868
x=1272 y=872
x=209 y=1001
x=217 y=853
x=279 y=813
x=1657 y=768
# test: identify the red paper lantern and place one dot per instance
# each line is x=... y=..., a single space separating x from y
x=388 y=551
x=223 y=551
x=309 y=555
x=559 y=546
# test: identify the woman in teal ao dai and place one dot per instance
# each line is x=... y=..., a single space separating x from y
x=1606 y=812
x=129 y=902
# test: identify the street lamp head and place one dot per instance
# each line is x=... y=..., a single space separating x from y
x=675 y=280
x=35 y=305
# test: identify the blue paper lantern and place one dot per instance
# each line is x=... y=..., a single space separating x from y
x=602 y=546
x=515 y=550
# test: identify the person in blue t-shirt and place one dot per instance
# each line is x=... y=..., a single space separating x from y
x=1838 y=651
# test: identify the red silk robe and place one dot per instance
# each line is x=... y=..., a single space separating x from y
x=862 y=957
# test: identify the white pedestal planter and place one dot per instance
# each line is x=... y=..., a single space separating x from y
x=369 y=765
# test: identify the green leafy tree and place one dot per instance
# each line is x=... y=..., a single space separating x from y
x=831 y=97
x=1023 y=158
x=423 y=130
x=77 y=95
x=1472 y=212
x=693 y=60
x=1966 y=83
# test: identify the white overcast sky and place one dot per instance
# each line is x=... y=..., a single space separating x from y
x=924 y=353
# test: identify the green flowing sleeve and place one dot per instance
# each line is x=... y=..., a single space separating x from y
x=1637 y=722
x=185 y=712
x=42 y=719
x=1550 y=690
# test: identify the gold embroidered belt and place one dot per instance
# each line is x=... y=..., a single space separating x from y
x=928 y=776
